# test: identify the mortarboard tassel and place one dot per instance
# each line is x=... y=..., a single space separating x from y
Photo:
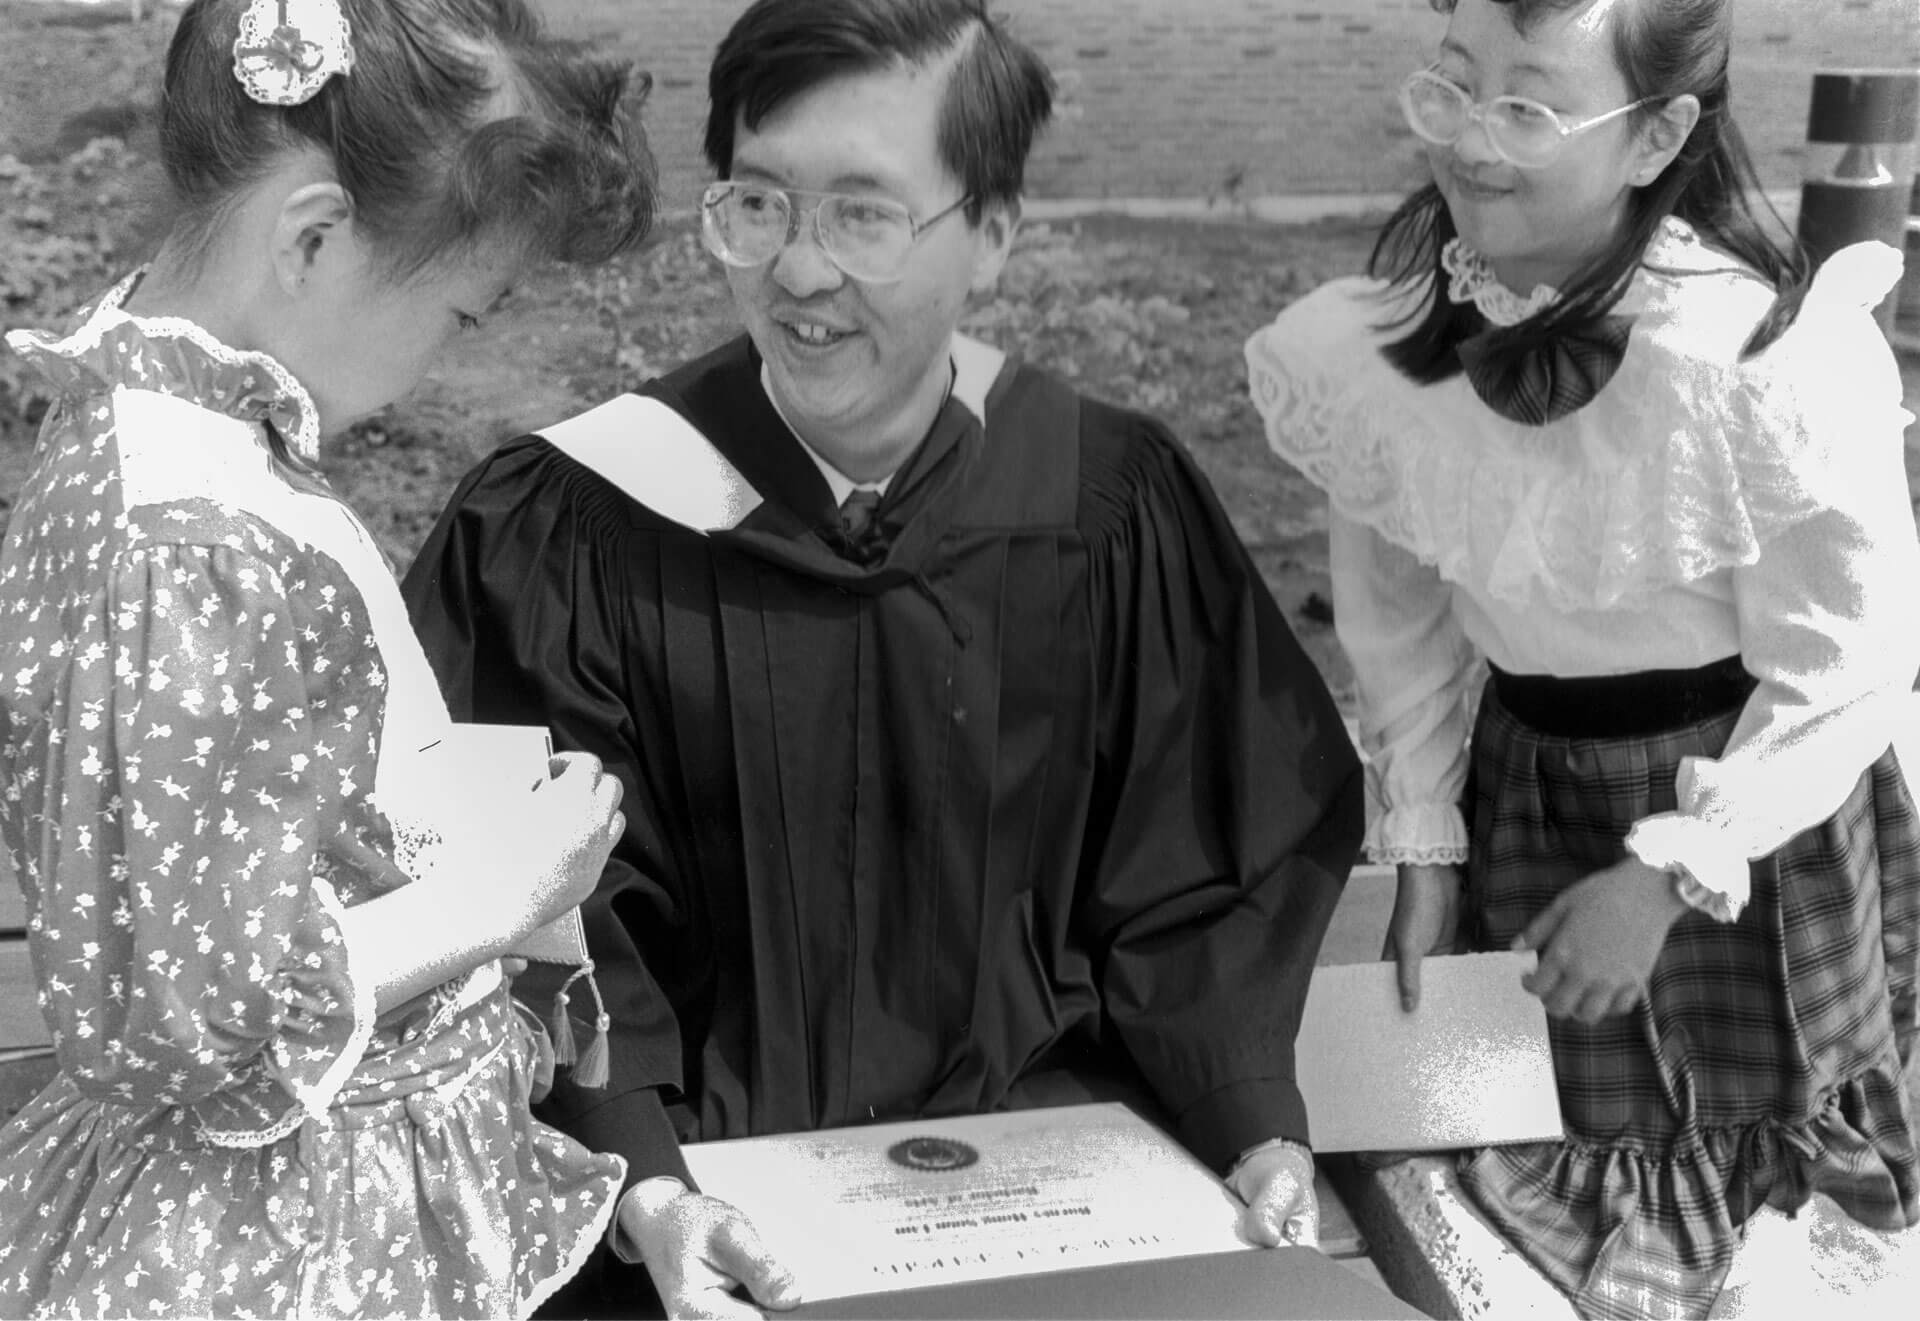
x=561 y=1027
x=592 y=1069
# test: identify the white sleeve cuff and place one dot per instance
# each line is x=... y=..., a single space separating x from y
x=1715 y=877
x=1427 y=833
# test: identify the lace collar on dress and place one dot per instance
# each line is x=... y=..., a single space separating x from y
x=1471 y=279
x=174 y=356
x=1694 y=458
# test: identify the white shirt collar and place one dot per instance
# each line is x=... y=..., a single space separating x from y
x=838 y=482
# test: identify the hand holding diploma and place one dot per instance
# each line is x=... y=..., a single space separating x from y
x=1426 y=920
x=567 y=826
x=908 y=1204
x=1275 y=1180
x=698 y=1249
x=524 y=858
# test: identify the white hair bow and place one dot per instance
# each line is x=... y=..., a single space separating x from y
x=287 y=49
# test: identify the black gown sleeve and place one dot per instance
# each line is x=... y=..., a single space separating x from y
x=521 y=596
x=1228 y=799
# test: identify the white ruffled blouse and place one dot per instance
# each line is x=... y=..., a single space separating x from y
x=1698 y=507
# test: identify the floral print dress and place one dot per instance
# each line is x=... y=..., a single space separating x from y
x=210 y=703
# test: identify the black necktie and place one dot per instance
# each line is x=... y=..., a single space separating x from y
x=856 y=511
x=1544 y=382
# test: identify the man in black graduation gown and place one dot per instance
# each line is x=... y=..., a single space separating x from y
x=967 y=760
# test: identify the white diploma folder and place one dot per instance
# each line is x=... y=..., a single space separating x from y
x=944 y=1201
x=1470 y=1067
x=491 y=769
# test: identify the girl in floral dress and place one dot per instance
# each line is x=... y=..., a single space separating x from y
x=292 y=1079
x=1591 y=425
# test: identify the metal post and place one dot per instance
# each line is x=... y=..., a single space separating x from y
x=1861 y=128
x=1906 y=316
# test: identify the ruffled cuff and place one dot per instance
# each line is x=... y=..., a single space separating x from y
x=1425 y=833
x=1711 y=867
x=326 y=1024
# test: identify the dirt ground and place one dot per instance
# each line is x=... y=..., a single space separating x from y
x=1151 y=313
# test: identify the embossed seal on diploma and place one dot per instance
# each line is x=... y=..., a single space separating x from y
x=932 y=1153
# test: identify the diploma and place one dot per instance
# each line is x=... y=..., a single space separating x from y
x=490 y=769
x=1471 y=1067
x=898 y=1206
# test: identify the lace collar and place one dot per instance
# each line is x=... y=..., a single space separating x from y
x=1692 y=458
x=1675 y=247
x=1470 y=279
x=174 y=356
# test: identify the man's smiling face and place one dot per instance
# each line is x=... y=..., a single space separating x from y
x=860 y=369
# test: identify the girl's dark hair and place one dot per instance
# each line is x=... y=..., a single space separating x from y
x=460 y=123
x=1664 y=48
x=997 y=98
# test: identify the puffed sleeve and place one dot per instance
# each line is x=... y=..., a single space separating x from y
x=1413 y=667
x=522 y=597
x=1230 y=795
x=1316 y=376
x=1826 y=612
x=186 y=947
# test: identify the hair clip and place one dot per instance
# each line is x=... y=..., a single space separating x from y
x=287 y=49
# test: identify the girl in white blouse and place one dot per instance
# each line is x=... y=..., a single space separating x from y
x=1588 y=423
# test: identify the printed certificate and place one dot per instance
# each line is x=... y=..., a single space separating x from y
x=900 y=1206
x=483 y=769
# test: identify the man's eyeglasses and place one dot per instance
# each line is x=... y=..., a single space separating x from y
x=869 y=238
x=1523 y=132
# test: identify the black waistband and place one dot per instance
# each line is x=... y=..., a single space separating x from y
x=1623 y=705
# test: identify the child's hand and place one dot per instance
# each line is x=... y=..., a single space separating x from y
x=560 y=844
x=517 y=868
x=1426 y=920
x=1598 y=941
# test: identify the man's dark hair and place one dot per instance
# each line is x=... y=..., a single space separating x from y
x=998 y=96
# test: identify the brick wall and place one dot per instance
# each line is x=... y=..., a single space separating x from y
x=1199 y=98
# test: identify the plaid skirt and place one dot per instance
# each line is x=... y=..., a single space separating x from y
x=1766 y=1062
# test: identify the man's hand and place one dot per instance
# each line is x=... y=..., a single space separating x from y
x=1599 y=939
x=698 y=1248
x=1275 y=1180
x=1426 y=920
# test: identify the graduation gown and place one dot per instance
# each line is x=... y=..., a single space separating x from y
x=1032 y=775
